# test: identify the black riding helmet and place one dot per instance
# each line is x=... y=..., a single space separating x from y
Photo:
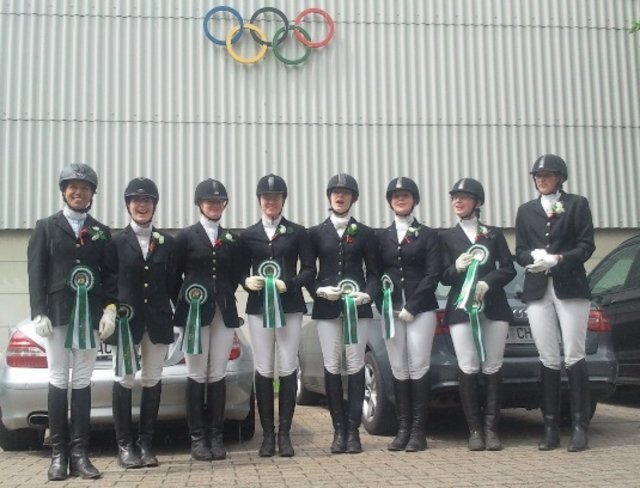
x=344 y=181
x=402 y=183
x=141 y=187
x=79 y=172
x=210 y=189
x=551 y=163
x=471 y=186
x=271 y=184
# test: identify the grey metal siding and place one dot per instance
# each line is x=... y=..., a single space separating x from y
x=433 y=89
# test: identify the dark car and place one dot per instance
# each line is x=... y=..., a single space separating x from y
x=615 y=286
x=521 y=368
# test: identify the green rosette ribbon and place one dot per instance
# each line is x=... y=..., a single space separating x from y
x=80 y=330
x=389 y=324
x=195 y=295
x=272 y=313
x=349 y=312
x=126 y=361
x=466 y=298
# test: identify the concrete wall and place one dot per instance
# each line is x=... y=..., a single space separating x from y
x=14 y=298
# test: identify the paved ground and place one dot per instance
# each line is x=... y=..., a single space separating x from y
x=613 y=459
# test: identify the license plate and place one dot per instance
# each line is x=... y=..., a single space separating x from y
x=519 y=334
x=105 y=351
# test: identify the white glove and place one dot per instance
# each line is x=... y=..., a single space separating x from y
x=543 y=264
x=43 y=326
x=482 y=287
x=463 y=261
x=331 y=293
x=281 y=286
x=254 y=283
x=536 y=254
x=107 y=325
x=405 y=315
x=361 y=298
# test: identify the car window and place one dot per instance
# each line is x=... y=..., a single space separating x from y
x=617 y=272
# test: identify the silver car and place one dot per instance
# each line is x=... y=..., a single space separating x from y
x=24 y=385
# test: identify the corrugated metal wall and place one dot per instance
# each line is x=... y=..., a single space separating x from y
x=433 y=89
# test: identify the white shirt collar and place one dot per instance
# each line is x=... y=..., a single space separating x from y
x=140 y=230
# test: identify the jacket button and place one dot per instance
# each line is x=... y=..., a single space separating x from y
x=402 y=279
x=146 y=285
x=77 y=261
x=547 y=234
x=398 y=248
x=146 y=267
x=77 y=245
x=339 y=273
x=399 y=258
x=548 y=224
x=146 y=301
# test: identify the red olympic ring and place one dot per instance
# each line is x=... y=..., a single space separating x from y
x=298 y=21
x=330 y=24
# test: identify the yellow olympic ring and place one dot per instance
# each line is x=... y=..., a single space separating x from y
x=261 y=53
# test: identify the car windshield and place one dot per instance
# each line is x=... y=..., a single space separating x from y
x=618 y=271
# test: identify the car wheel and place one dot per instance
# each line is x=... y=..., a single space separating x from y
x=378 y=414
x=20 y=439
x=304 y=396
x=248 y=425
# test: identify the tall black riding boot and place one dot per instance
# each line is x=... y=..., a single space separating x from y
x=493 y=387
x=264 y=397
x=550 y=408
x=419 y=405
x=469 y=396
x=121 y=403
x=287 y=405
x=580 y=399
x=333 y=386
x=195 y=418
x=149 y=407
x=354 y=413
x=216 y=399
x=402 y=390
x=79 y=463
x=58 y=411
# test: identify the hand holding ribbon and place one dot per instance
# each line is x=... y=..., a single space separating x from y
x=467 y=298
x=273 y=315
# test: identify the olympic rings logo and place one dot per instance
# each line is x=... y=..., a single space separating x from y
x=300 y=34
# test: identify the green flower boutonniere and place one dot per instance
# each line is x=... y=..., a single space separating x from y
x=227 y=238
x=156 y=240
x=94 y=233
x=555 y=210
x=282 y=230
x=482 y=233
x=352 y=230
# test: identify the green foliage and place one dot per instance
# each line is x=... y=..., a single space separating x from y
x=635 y=26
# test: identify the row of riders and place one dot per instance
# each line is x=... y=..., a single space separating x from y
x=130 y=289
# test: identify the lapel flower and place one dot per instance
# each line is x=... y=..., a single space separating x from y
x=482 y=232
x=412 y=233
x=352 y=230
x=227 y=237
x=280 y=231
x=156 y=240
x=94 y=233
x=556 y=209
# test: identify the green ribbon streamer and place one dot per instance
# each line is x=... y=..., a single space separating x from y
x=126 y=360
x=80 y=331
x=191 y=340
x=387 y=314
x=349 y=320
x=466 y=301
x=273 y=316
